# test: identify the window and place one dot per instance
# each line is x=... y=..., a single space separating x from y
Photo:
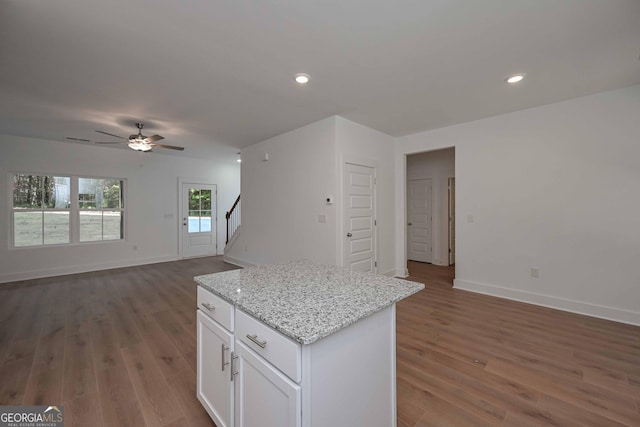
x=101 y=209
x=40 y=210
x=49 y=210
x=199 y=210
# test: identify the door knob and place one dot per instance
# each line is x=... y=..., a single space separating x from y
x=349 y=234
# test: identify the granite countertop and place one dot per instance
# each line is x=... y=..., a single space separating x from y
x=304 y=300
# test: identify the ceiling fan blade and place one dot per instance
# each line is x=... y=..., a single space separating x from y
x=154 y=138
x=77 y=139
x=110 y=134
x=108 y=142
x=170 y=147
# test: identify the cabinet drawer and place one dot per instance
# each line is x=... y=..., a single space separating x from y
x=216 y=308
x=280 y=351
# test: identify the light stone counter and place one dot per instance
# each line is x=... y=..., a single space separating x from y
x=304 y=300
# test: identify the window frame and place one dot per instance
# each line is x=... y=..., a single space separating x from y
x=122 y=209
x=74 y=211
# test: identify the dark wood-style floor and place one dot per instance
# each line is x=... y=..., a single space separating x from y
x=117 y=348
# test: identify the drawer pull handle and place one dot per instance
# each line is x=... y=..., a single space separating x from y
x=224 y=348
x=233 y=366
x=255 y=340
x=208 y=306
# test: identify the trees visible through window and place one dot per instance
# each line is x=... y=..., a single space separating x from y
x=48 y=210
x=40 y=209
x=101 y=209
x=199 y=210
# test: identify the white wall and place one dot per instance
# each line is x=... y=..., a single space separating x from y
x=152 y=219
x=438 y=166
x=283 y=197
x=554 y=188
x=359 y=144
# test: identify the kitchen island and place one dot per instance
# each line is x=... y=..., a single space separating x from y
x=298 y=344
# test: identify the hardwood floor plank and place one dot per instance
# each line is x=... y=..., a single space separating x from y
x=458 y=397
x=158 y=404
x=184 y=341
x=592 y=398
x=105 y=345
x=79 y=368
x=49 y=353
x=15 y=376
x=576 y=414
x=118 y=399
x=83 y=411
x=440 y=413
x=44 y=388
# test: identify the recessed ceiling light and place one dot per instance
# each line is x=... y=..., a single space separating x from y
x=239 y=160
x=516 y=78
x=302 y=78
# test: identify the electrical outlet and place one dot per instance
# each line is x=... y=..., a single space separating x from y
x=534 y=272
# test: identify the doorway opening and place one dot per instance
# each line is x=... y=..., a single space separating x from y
x=430 y=213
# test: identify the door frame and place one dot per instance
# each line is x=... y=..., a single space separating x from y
x=180 y=231
x=341 y=242
x=452 y=219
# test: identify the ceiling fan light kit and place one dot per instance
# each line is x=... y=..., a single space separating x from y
x=139 y=142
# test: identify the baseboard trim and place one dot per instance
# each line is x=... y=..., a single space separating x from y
x=390 y=273
x=75 y=269
x=237 y=262
x=573 y=306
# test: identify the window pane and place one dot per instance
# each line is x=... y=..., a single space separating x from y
x=90 y=226
x=205 y=198
x=57 y=190
x=111 y=194
x=27 y=191
x=27 y=228
x=90 y=193
x=194 y=199
x=112 y=222
x=56 y=227
x=205 y=221
x=194 y=222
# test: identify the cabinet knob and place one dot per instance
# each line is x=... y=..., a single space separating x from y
x=349 y=234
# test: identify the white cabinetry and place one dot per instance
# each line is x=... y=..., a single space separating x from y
x=264 y=396
x=345 y=379
x=215 y=388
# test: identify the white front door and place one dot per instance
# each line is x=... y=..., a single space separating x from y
x=360 y=223
x=198 y=219
x=419 y=220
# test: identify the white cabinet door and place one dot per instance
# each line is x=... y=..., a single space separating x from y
x=264 y=396
x=215 y=388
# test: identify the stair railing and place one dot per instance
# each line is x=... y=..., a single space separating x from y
x=233 y=219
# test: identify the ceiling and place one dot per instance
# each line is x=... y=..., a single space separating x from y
x=217 y=75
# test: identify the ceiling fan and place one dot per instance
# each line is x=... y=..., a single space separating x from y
x=139 y=142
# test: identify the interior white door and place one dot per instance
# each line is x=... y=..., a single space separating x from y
x=264 y=396
x=452 y=221
x=198 y=219
x=360 y=223
x=214 y=386
x=419 y=220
